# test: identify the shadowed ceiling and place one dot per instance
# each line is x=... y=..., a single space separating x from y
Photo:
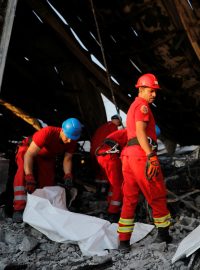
x=51 y=74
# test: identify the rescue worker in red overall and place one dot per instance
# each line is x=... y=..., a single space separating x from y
x=108 y=156
x=100 y=134
x=141 y=167
x=36 y=158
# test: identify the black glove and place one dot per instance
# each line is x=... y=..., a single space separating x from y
x=152 y=166
x=30 y=183
x=68 y=180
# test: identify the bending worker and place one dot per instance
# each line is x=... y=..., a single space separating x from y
x=100 y=134
x=36 y=160
x=141 y=167
x=108 y=157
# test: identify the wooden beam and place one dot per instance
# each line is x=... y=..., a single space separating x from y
x=46 y=14
x=187 y=18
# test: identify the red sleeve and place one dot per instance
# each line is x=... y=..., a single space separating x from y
x=142 y=113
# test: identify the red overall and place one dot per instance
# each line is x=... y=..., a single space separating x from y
x=100 y=134
x=134 y=161
x=112 y=165
x=48 y=139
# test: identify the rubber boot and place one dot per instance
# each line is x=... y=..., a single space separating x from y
x=17 y=217
x=163 y=236
x=124 y=246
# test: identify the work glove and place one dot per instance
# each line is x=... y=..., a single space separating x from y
x=68 y=180
x=30 y=183
x=152 y=166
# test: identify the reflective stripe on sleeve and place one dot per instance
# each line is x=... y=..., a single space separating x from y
x=117 y=203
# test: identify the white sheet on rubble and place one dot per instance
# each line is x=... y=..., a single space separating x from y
x=188 y=245
x=46 y=211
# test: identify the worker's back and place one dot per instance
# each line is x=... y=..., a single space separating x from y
x=100 y=134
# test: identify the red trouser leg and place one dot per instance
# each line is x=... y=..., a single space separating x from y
x=131 y=193
x=18 y=185
x=154 y=192
x=113 y=168
x=45 y=168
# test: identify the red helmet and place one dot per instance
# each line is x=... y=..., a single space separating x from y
x=148 y=80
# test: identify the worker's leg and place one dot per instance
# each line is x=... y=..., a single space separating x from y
x=130 y=199
x=155 y=193
x=113 y=167
x=18 y=185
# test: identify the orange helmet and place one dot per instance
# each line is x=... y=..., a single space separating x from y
x=148 y=80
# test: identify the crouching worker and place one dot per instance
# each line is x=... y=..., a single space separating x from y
x=36 y=160
x=100 y=134
x=108 y=157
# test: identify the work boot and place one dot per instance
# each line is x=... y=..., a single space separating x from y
x=113 y=217
x=163 y=236
x=124 y=246
x=17 y=216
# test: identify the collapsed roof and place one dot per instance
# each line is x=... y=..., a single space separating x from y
x=63 y=54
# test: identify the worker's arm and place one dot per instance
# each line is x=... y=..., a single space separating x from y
x=142 y=136
x=31 y=153
x=29 y=156
x=67 y=163
x=152 y=165
x=67 y=168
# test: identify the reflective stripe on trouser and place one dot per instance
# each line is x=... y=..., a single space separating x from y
x=109 y=197
x=19 y=190
x=125 y=228
x=154 y=191
x=162 y=222
x=45 y=176
x=100 y=181
x=20 y=198
x=111 y=163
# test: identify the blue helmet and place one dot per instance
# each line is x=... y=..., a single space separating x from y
x=157 y=131
x=72 y=128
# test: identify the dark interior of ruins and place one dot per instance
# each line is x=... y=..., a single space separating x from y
x=49 y=73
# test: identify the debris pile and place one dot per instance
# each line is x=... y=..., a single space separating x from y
x=23 y=247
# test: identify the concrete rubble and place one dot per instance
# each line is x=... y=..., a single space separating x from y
x=23 y=247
